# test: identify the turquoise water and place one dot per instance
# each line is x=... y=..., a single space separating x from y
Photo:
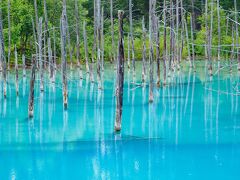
x=191 y=131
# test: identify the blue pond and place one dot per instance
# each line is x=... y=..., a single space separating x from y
x=190 y=131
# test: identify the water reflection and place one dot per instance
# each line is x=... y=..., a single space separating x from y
x=191 y=118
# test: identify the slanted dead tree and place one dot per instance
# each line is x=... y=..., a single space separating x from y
x=31 y=91
x=120 y=74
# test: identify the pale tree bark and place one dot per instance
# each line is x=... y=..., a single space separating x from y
x=132 y=38
x=3 y=58
x=78 y=39
x=152 y=5
x=113 y=53
x=207 y=29
x=233 y=47
x=45 y=34
x=16 y=70
x=102 y=39
x=192 y=37
x=41 y=64
x=64 y=55
x=158 y=51
x=210 y=41
x=31 y=91
x=144 y=55
x=237 y=33
x=219 y=30
x=9 y=33
x=24 y=65
x=120 y=74
x=35 y=38
x=164 y=45
x=177 y=35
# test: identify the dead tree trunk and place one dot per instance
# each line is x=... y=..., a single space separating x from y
x=129 y=51
x=219 y=31
x=9 y=33
x=132 y=38
x=188 y=45
x=31 y=91
x=64 y=56
x=102 y=39
x=210 y=41
x=3 y=59
x=237 y=33
x=35 y=38
x=120 y=74
x=36 y=13
x=41 y=64
x=113 y=53
x=177 y=35
x=24 y=65
x=78 y=39
x=144 y=55
x=182 y=32
x=232 y=52
x=45 y=34
x=89 y=67
x=207 y=29
x=164 y=45
x=158 y=51
x=54 y=52
x=16 y=71
x=51 y=63
x=192 y=36
x=152 y=5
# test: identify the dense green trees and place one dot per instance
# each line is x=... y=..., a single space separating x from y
x=22 y=12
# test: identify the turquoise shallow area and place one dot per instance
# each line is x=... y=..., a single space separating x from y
x=191 y=131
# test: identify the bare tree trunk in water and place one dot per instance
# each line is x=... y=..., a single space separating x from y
x=35 y=38
x=9 y=33
x=40 y=54
x=78 y=39
x=164 y=45
x=64 y=56
x=210 y=58
x=232 y=53
x=152 y=5
x=219 y=31
x=113 y=54
x=192 y=36
x=102 y=39
x=16 y=71
x=144 y=51
x=120 y=74
x=158 y=51
x=31 y=91
x=206 y=27
x=3 y=58
x=237 y=33
x=132 y=38
x=24 y=65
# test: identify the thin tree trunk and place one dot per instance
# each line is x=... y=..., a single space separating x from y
x=188 y=46
x=129 y=51
x=237 y=33
x=158 y=51
x=219 y=31
x=144 y=56
x=9 y=33
x=35 y=39
x=51 y=63
x=24 y=65
x=45 y=34
x=120 y=74
x=16 y=71
x=210 y=41
x=192 y=36
x=78 y=38
x=41 y=64
x=113 y=52
x=132 y=38
x=64 y=55
x=54 y=53
x=206 y=27
x=182 y=32
x=152 y=5
x=36 y=13
x=3 y=58
x=232 y=52
x=98 y=7
x=31 y=91
x=164 y=45
x=102 y=39
x=177 y=35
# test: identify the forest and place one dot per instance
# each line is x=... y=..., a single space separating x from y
x=23 y=14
